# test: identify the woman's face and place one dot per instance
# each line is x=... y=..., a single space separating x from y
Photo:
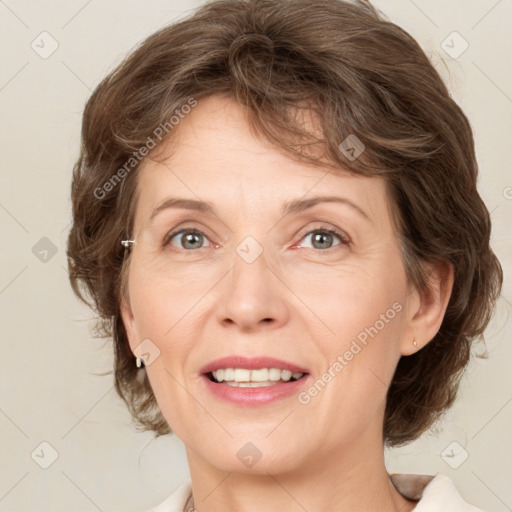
x=243 y=279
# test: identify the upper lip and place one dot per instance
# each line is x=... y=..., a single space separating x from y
x=251 y=363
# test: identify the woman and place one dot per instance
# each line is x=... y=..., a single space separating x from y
x=276 y=217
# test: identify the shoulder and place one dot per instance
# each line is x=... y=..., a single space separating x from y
x=434 y=493
x=176 y=501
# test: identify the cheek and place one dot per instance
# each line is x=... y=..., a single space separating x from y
x=160 y=314
x=357 y=366
x=358 y=296
x=364 y=317
x=160 y=301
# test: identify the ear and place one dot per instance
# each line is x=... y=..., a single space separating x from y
x=129 y=322
x=427 y=308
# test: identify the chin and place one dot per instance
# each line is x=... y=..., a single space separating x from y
x=250 y=455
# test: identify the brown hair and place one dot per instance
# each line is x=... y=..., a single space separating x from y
x=360 y=75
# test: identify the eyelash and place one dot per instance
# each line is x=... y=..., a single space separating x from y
x=344 y=240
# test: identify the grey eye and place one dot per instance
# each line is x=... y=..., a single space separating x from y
x=323 y=239
x=189 y=238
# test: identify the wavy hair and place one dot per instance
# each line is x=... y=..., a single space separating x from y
x=359 y=74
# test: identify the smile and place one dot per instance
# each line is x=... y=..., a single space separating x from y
x=261 y=377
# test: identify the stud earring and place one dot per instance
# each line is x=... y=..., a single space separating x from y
x=138 y=362
x=414 y=342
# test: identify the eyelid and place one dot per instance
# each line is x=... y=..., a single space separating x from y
x=186 y=224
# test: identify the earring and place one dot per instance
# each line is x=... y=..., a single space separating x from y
x=414 y=342
x=138 y=362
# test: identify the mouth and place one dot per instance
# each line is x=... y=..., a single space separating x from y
x=253 y=381
x=256 y=378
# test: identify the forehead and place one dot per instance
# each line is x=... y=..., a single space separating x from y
x=214 y=156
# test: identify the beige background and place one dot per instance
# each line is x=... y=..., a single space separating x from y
x=49 y=392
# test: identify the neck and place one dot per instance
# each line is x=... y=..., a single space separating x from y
x=353 y=478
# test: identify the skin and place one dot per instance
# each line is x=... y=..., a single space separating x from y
x=295 y=301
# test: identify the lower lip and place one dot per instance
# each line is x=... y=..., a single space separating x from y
x=254 y=396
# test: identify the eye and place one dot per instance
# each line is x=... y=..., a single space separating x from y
x=189 y=238
x=323 y=238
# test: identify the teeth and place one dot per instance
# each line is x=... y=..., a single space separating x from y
x=259 y=375
x=250 y=384
x=242 y=377
x=274 y=374
x=286 y=375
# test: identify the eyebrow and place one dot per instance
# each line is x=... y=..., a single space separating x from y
x=289 y=207
x=187 y=204
x=299 y=205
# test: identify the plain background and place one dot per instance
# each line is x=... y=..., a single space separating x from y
x=49 y=391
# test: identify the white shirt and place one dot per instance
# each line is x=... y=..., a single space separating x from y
x=435 y=494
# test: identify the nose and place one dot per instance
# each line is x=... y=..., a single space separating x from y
x=253 y=297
